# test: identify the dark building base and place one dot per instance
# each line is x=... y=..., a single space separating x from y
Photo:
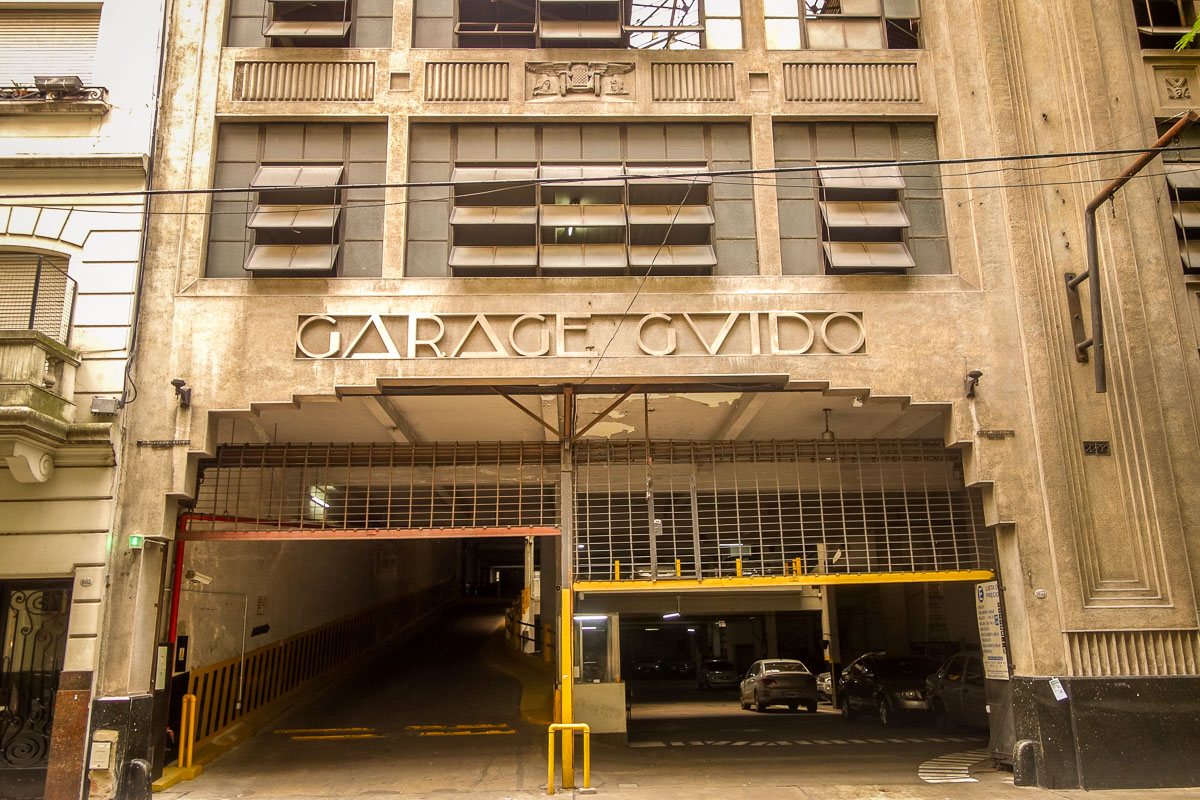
x=1110 y=733
x=68 y=737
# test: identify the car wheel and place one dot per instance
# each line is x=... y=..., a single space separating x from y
x=745 y=705
x=887 y=716
x=811 y=706
x=759 y=705
x=847 y=714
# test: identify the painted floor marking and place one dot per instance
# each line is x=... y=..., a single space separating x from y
x=951 y=768
x=767 y=742
x=498 y=732
x=290 y=731
x=329 y=736
x=471 y=726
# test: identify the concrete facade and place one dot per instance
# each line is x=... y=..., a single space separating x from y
x=59 y=477
x=1097 y=553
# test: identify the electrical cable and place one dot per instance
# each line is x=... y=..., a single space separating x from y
x=681 y=176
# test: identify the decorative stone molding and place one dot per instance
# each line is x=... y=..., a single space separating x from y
x=578 y=80
x=692 y=82
x=304 y=80
x=1175 y=86
x=857 y=83
x=1134 y=653
x=466 y=81
x=28 y=462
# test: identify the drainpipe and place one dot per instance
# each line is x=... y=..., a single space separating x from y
x=1096 y=341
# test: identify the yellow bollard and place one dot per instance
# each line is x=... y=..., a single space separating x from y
x=568 y=729
x=187 y=732
x=738 y=563
x=797 y=567
x=678 y=568
x=616 y=570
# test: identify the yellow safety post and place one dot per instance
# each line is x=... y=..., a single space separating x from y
x=566 y=661
x=616 y=570
x=797 y=567
x=187 y=733
x=568 y=730
x=738 y=564
x=678 y=568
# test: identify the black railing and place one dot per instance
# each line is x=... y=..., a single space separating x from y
x=36 y=294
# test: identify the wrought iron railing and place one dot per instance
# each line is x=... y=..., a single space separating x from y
x=36 y=294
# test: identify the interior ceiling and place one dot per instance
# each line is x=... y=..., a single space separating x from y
x=726 y=415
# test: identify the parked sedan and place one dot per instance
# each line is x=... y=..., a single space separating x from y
x=891 y=687
x=956 y=692
x=779 y=682
x=715 y=673
x=825 y=686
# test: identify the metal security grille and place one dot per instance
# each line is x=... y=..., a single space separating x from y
x=36 y=294
x=719 y=509
x=309 y=489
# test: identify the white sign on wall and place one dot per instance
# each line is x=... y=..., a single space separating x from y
x=991 y=630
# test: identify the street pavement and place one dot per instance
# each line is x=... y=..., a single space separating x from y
x=439 y=715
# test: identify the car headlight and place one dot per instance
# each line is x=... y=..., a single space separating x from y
x=910 y=694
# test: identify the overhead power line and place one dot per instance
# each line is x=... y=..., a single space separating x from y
x=681 y=176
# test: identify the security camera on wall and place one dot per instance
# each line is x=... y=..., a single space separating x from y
x=198 y=577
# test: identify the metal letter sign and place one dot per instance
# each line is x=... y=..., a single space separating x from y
x=991 y=630
x=395 y=336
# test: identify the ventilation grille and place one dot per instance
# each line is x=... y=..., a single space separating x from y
x=881 y=83
x=465 y=81
x=691 y=82
x=307 y=80
x=1134 y=653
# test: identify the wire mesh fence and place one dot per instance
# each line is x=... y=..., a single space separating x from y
x=36 y=294
x=663 y=510
x=324 y=487
x=713 y=509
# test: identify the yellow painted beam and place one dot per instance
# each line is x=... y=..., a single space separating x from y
x=782 y=581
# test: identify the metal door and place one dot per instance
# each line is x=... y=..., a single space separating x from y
x=33 y=640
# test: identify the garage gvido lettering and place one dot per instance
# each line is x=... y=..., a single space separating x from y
x=416 y=335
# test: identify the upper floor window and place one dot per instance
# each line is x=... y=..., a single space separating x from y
x=550 y=200
x=300 y=217
x=1182 y=169
x=310 y=23
x=632 y=24
x=1160 y=23
x=47 y=42
x=849 y=213
x=843 y=24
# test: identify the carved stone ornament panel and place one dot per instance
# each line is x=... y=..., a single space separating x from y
x=1175 y=85
x=578 y=80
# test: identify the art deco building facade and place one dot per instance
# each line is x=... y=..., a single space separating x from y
x=748 y=306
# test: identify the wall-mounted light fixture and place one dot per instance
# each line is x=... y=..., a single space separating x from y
x=972 y=381
x=183 y=392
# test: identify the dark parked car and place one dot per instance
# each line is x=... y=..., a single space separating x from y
x=889 y=687
x=956 y=692
x=779 y=682
x=715 y=673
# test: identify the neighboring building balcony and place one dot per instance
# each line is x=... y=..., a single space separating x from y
x=37 y=369
x=54 y=96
